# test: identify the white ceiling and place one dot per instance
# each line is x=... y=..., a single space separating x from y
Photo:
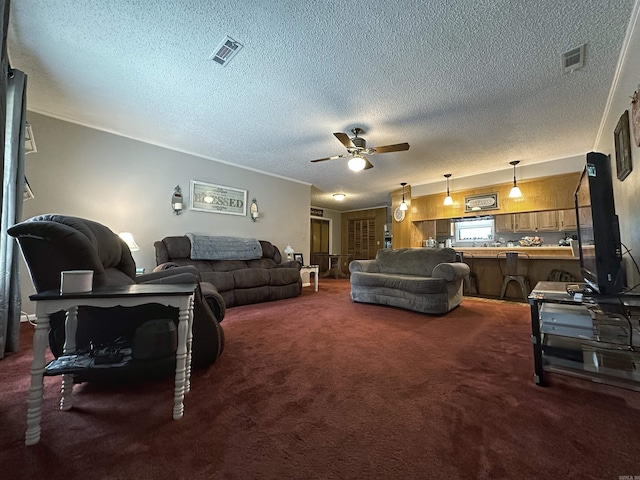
x=470 y=85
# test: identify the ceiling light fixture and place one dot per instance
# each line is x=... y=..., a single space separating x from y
x=448 y=200
x=357 y=163
x=515 y=190
x=403 y=205
x=339 y=196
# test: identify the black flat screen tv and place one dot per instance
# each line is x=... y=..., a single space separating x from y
x=598 y=228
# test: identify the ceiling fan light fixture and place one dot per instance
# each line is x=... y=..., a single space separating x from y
x=357 y=163
x=448 y=200
x=339 y=196
x=515 y=190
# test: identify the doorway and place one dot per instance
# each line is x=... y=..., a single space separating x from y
x=320 y=242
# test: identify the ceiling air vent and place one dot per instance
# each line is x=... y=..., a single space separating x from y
x=226 y=51
x=573 y=59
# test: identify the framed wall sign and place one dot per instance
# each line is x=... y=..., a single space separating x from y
x=207 y=197
x=623 y=146
x=475 y=203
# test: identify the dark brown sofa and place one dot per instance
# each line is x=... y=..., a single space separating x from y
x=239 y=282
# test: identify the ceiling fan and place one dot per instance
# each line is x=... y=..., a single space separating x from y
x=357 y=148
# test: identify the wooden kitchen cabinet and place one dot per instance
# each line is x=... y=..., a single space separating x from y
x=443 y=227
x=524 y=222
x=503 y=223
x=567 y=220
x=547 y=221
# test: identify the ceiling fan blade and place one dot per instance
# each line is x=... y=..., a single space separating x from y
x=398 y=147
x=368 y=164
x=335 y=157
x=344 y=139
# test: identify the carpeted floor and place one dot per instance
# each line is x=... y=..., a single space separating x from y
x=319 y=387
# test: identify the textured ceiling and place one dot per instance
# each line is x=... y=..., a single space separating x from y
x=470 y=85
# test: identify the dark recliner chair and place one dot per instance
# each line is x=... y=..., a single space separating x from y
x=54 y=243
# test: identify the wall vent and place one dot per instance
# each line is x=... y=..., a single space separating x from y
x=225 y=51
x=573 y=59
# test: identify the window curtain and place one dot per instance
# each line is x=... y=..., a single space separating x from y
x=12 y=118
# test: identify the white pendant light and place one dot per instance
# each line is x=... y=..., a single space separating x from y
x=515 y=190
x=357 y=163
x=403 y=205
x=448 y=200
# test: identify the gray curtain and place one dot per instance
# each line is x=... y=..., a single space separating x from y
x=12 y=195
x=12 y=126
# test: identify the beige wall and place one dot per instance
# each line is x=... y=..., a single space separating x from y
x=627 y=192
x=127 y=185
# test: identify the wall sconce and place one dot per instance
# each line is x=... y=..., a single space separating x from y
x=448 y=200
x=403 y=205
x=515 y=190
x=128 y=239
x=176 y=201
x=253 y=210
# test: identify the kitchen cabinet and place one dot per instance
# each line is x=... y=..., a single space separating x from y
x=547 y=221
x=443 y=227
x=503 y=223
x=524 y=222
x=567 y=219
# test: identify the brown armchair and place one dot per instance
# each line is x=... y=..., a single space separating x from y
x=53 y=243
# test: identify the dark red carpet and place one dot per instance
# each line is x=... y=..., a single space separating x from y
x=318 y=387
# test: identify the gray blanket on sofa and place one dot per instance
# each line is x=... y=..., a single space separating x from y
x=205 y=247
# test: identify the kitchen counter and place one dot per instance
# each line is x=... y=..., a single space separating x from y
x=550 y=252
x=542 y=264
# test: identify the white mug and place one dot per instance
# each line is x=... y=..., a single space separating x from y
x=76 y=281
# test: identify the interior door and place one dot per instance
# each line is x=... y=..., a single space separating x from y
x=319 y=243
x=361 y=239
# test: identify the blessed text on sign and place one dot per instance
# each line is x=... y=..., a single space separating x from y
x=207 y=197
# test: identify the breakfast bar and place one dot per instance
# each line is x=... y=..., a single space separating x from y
x=542 y=263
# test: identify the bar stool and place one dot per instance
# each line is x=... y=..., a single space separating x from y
x=471 y=279
x=509 y=268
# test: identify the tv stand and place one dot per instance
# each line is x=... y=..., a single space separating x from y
x=588 y=336
x=581 y=288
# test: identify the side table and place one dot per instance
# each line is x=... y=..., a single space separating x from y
x=315 y=269
x=335 y=269
x=180 y=296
